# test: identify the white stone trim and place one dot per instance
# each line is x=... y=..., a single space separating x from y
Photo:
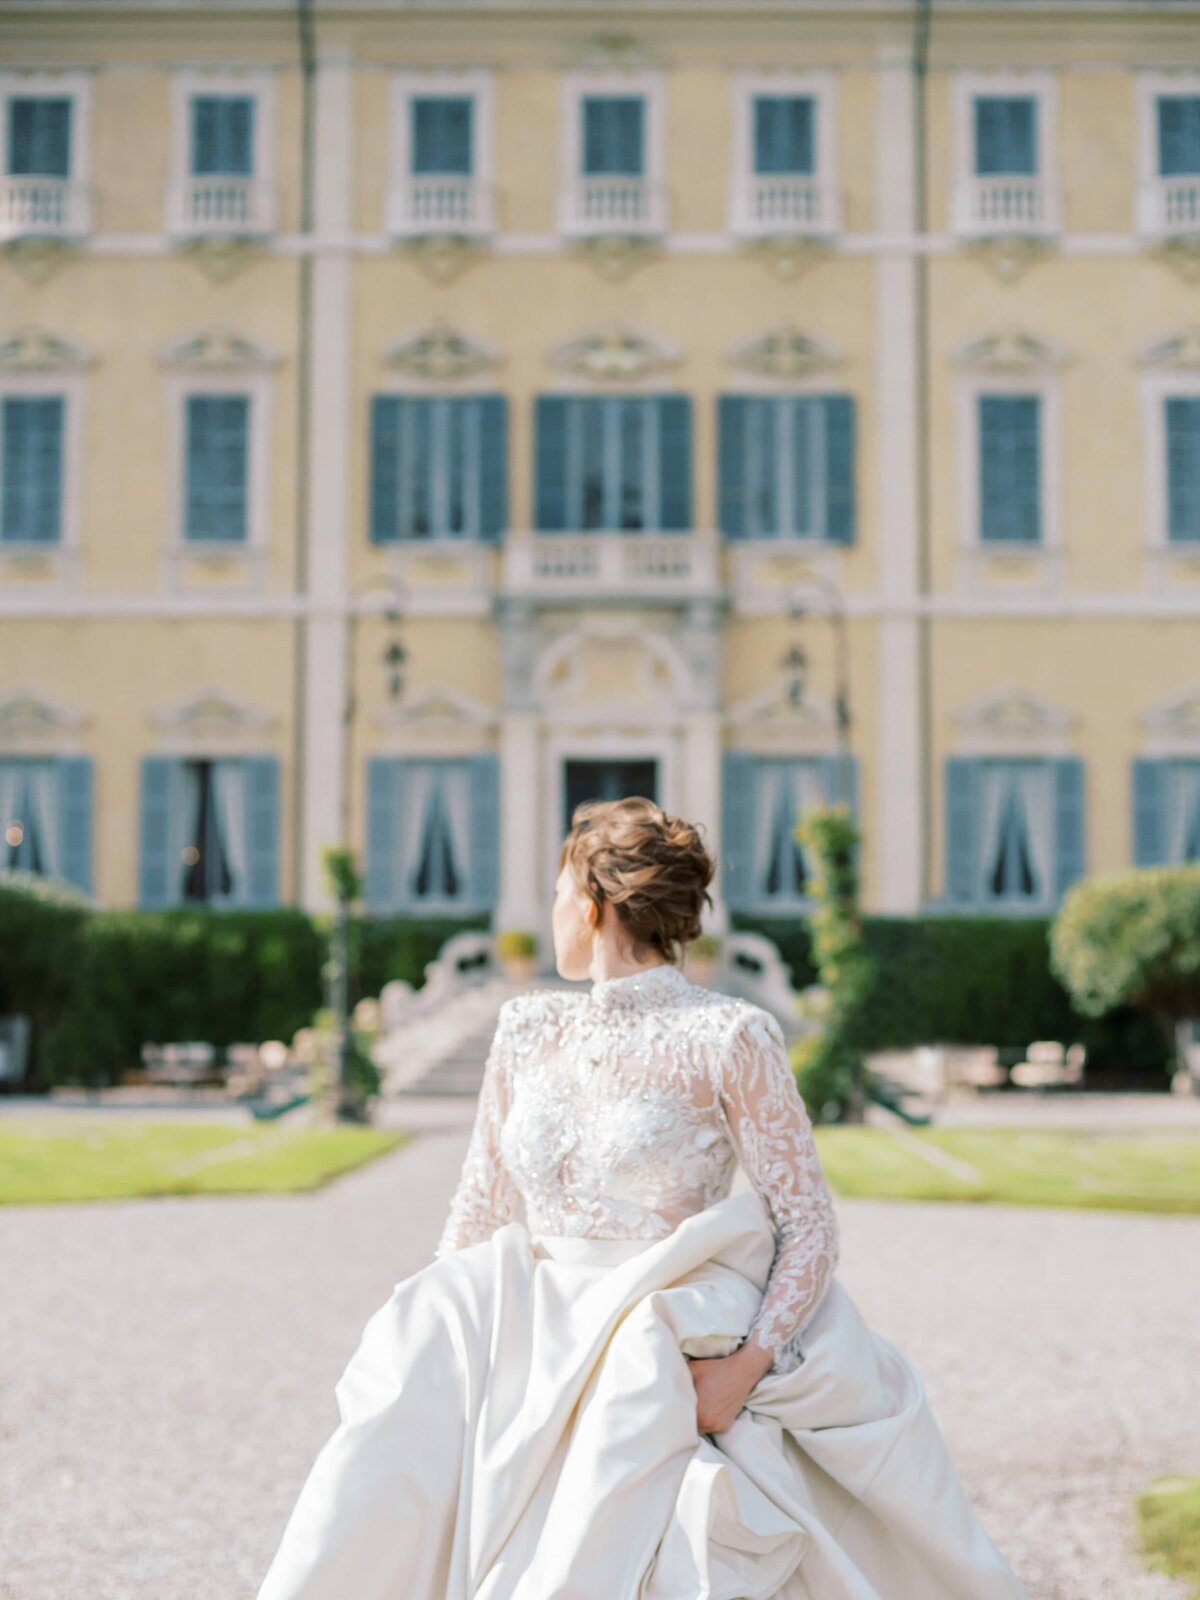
x=821 y=88
x=1013 y=721
x=33 y=722
x=1148 y=86
x=649 y=83
x=189 y=81
x=409 y=83
x=65 y=556
x=75 y=82
x=1042 y=85
x=1171 y=727
x=1046 y=558
x=180 y=553
x=1164 y=563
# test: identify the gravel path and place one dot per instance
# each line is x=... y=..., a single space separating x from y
x=169 y=1368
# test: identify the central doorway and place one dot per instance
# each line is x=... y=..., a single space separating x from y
x=606 y=780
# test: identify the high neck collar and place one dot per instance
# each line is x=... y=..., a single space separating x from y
x=638 y=988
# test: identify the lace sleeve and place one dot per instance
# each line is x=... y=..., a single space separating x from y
x=771 y=1130
x=486 y=1195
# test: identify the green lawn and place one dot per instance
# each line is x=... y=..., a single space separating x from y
x=67 y=1158
x=1169 y=1520
x=1146 y=1172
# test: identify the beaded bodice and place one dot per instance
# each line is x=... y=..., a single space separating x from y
x=616 y=1113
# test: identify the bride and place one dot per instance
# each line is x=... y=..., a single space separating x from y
x=617 y=1379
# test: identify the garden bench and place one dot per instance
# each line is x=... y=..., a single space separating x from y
x=1049 y=1064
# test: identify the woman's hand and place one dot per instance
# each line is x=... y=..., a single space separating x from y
x=723 y=1384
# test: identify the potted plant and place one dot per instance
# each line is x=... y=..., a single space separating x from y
x=517 y=951
x=701 y=958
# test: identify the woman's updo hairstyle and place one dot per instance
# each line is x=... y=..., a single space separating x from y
x=653 y=869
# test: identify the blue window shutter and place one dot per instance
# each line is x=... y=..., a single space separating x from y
x=1183 y=467
x=731 y=465
x=612 y=134
x=493 y=465
x=216 y=464
x=1069 y=827
x=675 y=461
x=1178 y=135
x=550 y=464
x=1009 y=468
x=383 y=784
x=75 y=812
x=739 y=777
x=441 y=133
x=262 y=830
x=385 y=468
x=32 y=467
x=154 y=863
x=848 y=766
x=1149 y=812
x=222 y=135
x=839 y=468
x=39 y=136
x=962 y=829
x=1005 y=135
x=484 y=777
x=783 y=134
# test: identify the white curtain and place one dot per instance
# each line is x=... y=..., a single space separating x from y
x=29 y=795
x=783 y=793
x=1017 y=831
x=229 y=800
x=437 y=798
x=1183 y=812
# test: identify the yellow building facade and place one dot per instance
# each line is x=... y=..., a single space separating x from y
x=744 y=406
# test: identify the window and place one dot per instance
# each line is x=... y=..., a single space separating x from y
x=31 y=468
x=619 y=463
x=1166 y=811
x=1010 y=477
x=222 y=135
x=432 y=833
x=613 y=134
x=1178 y=135
x=784 y=133
x=1005 y=135
x=786 y=467
x=1182 y=419
x=438 y=467
x=39 y=136
x=217 y=433
x=46 y=817
x=763 y=800
x=1014 y=830
x=441 y=135
x=209 y=831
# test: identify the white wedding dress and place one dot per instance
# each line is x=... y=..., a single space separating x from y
x=519 y=1419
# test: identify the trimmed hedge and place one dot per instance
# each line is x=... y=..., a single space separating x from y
x=979 y=980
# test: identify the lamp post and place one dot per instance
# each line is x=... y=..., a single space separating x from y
x=795 y=665
x=348 y=1105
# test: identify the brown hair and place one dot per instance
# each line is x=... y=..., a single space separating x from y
x=653 y=869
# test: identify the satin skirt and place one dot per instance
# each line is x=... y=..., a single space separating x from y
x=519 y=1423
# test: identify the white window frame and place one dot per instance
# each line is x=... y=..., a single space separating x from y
x=1149 y=87
x=1160 y=556
x=405 y=86
x=258 y=85
x=442 y=542
x=1042 y=86
x=821 y=88
x=181 y=551
x=77 y=86
x=64 y=555
x=975 y=553
x=651 y=85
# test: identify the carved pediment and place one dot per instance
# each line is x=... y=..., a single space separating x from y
x=768 y=720
x=211 y=713
x=1172 y=726
x=440 y=353
x=612 y=670
x=783 y=351
x=1176 y=352
x=27 y=716
x=218 y=349
x=1009 y=349
x=439 y=710
x=614 y=51
x=614 y=350
x=36 y=349
x=1013 y=719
